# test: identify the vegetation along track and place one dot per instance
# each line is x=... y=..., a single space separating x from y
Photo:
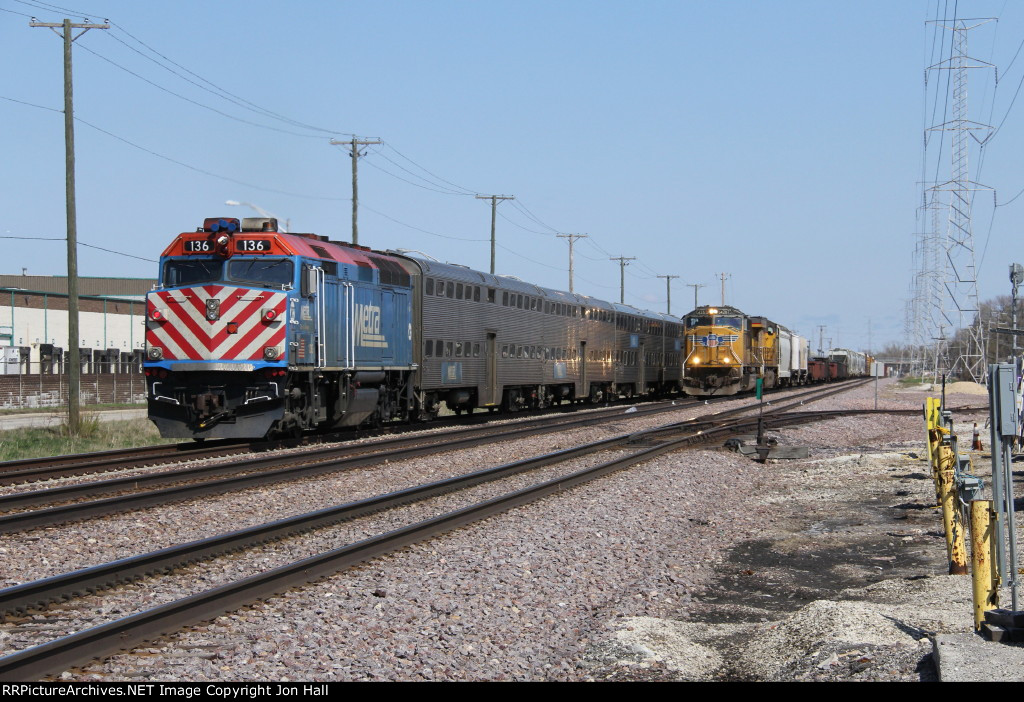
x=59 y=654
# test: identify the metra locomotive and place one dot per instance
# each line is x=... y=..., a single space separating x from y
x=727 y=351
x=254 y=332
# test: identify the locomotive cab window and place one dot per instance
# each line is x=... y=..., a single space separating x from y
x=268 y=272
x=192 y=271
x=430 y=286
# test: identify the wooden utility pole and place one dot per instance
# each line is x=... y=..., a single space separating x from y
x=354 y=152
x=724 y=277
x=494 y=215
x=622 y=275
x=668 y=290
x=571 y=238
x=695 y=286
x=75 y=371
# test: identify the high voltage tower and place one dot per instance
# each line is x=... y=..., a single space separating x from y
x=945 y=283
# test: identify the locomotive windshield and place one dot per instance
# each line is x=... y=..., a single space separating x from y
x=706 y=321
x=192 y=271
x=268 y=272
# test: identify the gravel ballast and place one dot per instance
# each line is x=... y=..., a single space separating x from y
x=699 y=565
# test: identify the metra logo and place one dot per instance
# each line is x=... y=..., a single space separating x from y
x=367 y=325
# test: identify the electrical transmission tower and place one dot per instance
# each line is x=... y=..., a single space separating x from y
x=961 y=307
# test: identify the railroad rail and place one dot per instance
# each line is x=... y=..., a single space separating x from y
x=249 y=472
x=30 y=470
x=108 y=638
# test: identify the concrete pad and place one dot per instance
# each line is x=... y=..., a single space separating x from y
x=970 y=658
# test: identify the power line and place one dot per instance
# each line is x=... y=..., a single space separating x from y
x=196 y=102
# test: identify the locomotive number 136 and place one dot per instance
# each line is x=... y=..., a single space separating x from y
x=252 y=245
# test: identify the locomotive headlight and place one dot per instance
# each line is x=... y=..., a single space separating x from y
x=154 y=353
x=213 y=309
x=271 y=353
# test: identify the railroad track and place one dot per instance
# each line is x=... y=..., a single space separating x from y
x=138 y=491
x=109 y=637
x=29 y=470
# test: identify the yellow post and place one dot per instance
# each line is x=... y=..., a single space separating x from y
x=934 y=438
x=985 y=578
x=956 y=549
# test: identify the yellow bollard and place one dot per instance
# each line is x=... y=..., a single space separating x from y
x=985 y=579
x=956 y=548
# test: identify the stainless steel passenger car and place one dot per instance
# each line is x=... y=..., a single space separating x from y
x=483 y=340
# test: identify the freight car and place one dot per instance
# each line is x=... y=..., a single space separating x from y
x=254 y=332
x=727 y=351
x=853 y=364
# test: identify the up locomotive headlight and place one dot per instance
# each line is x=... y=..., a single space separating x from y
x=154 y=353
x=271 y=353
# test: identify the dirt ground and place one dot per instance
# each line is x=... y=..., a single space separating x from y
x=848 y=584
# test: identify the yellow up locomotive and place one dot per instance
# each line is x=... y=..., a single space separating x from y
x=727 y=351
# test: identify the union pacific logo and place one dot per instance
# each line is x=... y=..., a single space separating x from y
x=367 y=326
x=713 y=340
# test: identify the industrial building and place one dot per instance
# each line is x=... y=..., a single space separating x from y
x=34 y=324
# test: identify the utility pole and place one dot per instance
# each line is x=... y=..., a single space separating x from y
x=571 y=238
x=724 y=276
x=821 y=338
x=75 y=371
x=494 y=215
x=622 y=275
x=695 y=286
x=1016 y=278
x=668 y=290
x=354 y=152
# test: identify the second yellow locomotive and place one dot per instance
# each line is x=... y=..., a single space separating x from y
x=727 y=351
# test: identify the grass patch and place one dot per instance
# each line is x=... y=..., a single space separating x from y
x=95 y=435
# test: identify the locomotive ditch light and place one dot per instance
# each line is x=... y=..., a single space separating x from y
x=157 y=315
x=271 y=353
x=154 y=353
x=269 y=315
x=696 y=360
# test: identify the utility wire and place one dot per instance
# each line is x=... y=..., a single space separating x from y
x=180 y=163
x=362 y=204
x=195 y=102
x=80 y=243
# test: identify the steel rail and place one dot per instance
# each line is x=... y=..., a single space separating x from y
x=284 y=467
x=264 y=471
x=281 y=468
x=38 y=593
x=118 y=635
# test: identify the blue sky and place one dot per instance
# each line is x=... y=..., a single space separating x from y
x=777 y=142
